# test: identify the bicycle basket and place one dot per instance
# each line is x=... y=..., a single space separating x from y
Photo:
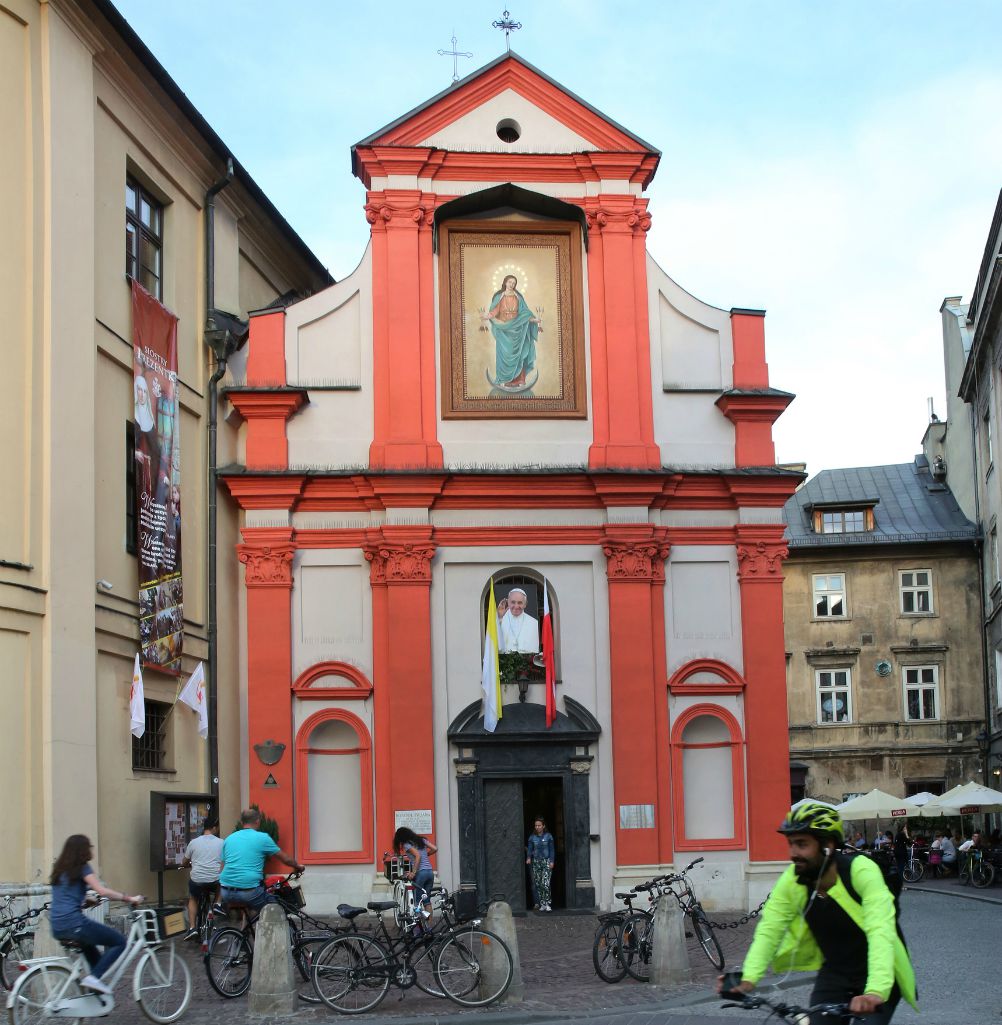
x=162 y=923
x=465 y=903
x=291 y=895
x=394 y=868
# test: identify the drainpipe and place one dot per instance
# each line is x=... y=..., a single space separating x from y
x=221 y=349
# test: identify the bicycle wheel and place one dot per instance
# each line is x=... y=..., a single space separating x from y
x=36 y=988
x=635 y=945
x=228 y=962
x=913 y=871
x=982 y=874
x=400 y=902
x=18 y=947
x=706 y=936
x=162 y=985
x=351 y=973
x=474 y=967
x=609 y=966
x=964 y=875
x=423 y=963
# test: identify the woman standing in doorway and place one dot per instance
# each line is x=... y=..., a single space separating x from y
x=539 y=855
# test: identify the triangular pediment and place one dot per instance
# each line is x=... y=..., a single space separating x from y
x=551 y=119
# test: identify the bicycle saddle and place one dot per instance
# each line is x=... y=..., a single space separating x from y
x=70 y=945
x=381 y=905
x=349 y=911
x=625 y=896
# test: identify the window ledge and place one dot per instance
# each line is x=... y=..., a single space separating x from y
x=153 y=773
x=831 y=619
x=831 y=725
x=919 y=649
x=918 y=615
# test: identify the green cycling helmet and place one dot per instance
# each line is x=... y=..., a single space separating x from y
x=814 y=818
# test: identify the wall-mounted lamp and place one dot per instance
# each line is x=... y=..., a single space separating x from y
x=105 y=585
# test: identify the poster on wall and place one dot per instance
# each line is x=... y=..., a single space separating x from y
x=175 y=819
x=158 y=482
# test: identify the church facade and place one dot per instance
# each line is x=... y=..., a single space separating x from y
x=509 y=391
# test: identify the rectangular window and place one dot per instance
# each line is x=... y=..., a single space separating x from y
x=150 y=750
x=144 y=218
x=987 y=445
x=915 y=586
x=921 y=692
x=130 y=487
x=993 y=558
x=843 y=521
x=834 y=695
x=998 y=678
x=829 y=596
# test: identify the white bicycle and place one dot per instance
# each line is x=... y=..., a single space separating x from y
x=49 y=987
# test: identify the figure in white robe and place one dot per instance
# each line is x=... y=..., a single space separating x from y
x=518 y=630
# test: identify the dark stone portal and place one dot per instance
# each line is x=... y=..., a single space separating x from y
x=506 y=778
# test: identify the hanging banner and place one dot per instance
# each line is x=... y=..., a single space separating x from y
x=158 y=482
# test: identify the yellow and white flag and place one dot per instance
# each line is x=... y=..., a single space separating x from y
x=137 y=705
x=490 y=680
x=193 y=695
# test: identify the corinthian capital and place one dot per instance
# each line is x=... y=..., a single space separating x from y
x=267 y=565
x=403 y=563
x=761 y=560
x=635 y=560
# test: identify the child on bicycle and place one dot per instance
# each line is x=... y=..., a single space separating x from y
x=72 y=876
x=417 y=850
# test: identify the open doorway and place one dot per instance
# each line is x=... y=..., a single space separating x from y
x=545 y=797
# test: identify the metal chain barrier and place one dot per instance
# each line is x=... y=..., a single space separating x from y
x=26 y=917
x=743 y=920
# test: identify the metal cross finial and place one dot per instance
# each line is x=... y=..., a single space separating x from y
x=508 y=26
x=455 y=55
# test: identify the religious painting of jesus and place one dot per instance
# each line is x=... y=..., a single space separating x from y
x=512 y=336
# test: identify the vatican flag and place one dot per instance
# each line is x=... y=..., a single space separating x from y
x=491 y=678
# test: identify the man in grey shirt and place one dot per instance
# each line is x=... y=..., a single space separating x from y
x=203 y=856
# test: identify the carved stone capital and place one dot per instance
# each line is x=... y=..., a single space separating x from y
x=402 y=563
x=762 y=560
x=640 y=222
x=636 y=560
x=267 y=565
x=466 y=769
x=580 y=766
x=637 y=220
x=380 y=215
x=377 y=213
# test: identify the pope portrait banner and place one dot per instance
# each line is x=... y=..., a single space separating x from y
x=158 y=482
x=512 y=321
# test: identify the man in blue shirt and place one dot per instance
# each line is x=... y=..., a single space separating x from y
x=244 y=854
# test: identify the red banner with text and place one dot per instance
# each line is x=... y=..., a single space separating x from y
x=158 y=482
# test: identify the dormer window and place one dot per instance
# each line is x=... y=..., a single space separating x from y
x=842 y=519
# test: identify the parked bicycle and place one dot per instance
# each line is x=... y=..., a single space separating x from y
x=976 y=869
x=17 y=939
x=470 y=965
x=610 y=966
x=914 y=868
x=49 y=987
x=636 y=940
x=229 y=954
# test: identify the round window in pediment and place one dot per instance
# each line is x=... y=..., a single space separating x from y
x=509 y=130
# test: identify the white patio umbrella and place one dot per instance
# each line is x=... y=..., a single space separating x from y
x=971 y=798
x=923 y=798
x=877 y=805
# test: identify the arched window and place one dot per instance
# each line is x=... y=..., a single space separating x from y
x=521 y=635
x=708 y=780
x=334 y=789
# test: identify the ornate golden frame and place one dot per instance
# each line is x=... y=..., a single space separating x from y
x=565 y=238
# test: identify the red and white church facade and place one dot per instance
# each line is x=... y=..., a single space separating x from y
x=388 y=474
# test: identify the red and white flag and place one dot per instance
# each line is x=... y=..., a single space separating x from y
x=550 y=660
x=137 y=705
x=193 y=695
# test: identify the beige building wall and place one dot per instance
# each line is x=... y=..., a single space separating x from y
x=880 y=748
x=78 y=112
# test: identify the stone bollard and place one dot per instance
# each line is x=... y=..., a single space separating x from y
x=273 y=984
x=499 y=921
x=669 y=958
x=45 y=944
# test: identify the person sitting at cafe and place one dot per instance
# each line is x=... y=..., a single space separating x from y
x=975 y=843
x=948 y=849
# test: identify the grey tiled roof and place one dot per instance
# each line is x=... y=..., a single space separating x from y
x=910 y=506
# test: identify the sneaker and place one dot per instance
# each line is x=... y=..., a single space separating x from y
x=546 y=907
x=191 y=934
x=95 y=984
x=536 y=907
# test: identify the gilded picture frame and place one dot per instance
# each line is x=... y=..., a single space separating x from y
x=511 y=349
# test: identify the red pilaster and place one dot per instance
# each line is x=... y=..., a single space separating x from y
x=748 y=340
x=622 y=405
x=753 y=415
x=400 y=576
x=266 y=350
x=403 y=331
x=266 y=413
x=761 y=551
x=636 y=582
x=267 y=557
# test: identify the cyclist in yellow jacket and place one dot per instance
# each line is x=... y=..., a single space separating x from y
x=812 y=921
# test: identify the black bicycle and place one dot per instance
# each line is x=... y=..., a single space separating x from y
x=606 y=954
x=838 y=1013
x=470 y=965
x=229 y=953
x=636 y=938
x=17 y=939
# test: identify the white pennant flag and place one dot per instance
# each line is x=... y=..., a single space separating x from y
x=193 y=696
x=137 y=706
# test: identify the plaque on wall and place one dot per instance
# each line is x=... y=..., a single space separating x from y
x=636 y=816
x=417 y=819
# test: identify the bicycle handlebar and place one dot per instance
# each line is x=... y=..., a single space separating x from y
x=788 y=1012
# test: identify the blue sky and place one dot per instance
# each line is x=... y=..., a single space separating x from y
x=836 y=164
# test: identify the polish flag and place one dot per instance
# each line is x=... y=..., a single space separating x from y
x=549 y=660
x=137 y=705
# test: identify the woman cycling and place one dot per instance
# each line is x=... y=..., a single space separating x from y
x=72 y=876
x=417 y=850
